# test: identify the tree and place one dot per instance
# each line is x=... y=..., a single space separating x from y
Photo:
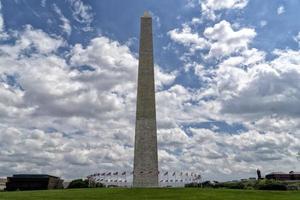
x=79 y=183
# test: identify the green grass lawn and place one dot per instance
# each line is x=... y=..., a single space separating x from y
x=139 y=194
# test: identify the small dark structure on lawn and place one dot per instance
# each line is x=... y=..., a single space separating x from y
x=279 y=176
x=33 y=182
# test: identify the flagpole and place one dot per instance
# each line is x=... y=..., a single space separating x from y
x=175 y=180
x=168 y=178
x=125 y=183
x=118 y=179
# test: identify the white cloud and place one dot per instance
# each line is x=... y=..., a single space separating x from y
x=3 y=34
x=54 y=103
x=38 y=40
x=82 y=13
x=263 y=23
x=237 y=154
x=191 y=3
x=162 y=78
x=186 y=37
x=280 y=10
x=209 y=7
x=221 y=40
x=196 y=20
x=113 y=63
x=1 y=19
x=225 y=41
x=263 y=95
x=66 y=26
x=242 y=87
x=297 y=38
x=43 y=3
x=156 y=19
x=175 y=107
x=89 y=96
x=56 y=96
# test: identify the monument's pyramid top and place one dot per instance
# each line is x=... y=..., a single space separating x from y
x=146 y=14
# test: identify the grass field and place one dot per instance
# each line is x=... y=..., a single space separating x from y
x=139 y=194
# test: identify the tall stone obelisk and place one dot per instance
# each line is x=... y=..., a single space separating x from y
x=145 y=173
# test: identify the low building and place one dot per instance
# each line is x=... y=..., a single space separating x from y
x=280 y=176
x=2 y=183
x=33 y=182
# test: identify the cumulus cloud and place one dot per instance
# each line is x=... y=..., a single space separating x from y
x=50 y=102
x=242 y=87
x=163 y=78
x=221 y=39
x=258 y=93
x=37 y=40
x=111 y=61
x=225 y=41
x=267 y=88
x=190 y=39
x=63 y=110
x=74 y=112
x=220 y=153
x=209 y=7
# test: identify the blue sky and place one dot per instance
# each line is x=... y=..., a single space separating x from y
x=227 y=91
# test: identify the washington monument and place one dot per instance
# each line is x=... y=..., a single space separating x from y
x=145 y=173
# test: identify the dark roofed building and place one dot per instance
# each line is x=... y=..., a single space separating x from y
x=33 y=182
x=280 y=176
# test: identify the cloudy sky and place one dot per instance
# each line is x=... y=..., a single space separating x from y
x=227 y=85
